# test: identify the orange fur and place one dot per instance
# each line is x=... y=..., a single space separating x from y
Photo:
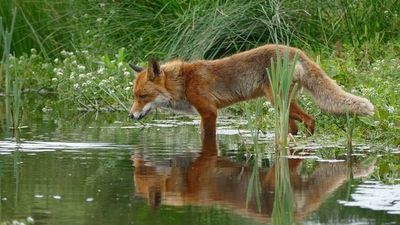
x=207 y=85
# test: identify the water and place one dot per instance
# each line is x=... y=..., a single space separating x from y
x=89 y=168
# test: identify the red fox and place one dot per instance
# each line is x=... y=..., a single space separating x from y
x=204 y=86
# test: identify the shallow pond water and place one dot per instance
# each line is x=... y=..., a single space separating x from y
x=100 y=169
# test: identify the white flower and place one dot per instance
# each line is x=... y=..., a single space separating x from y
x=81 y=76
x=100 y=70
x=76 y=86
x=99 y=19
x=54 y=79
x=126 y=73
x=56 y=60
x=120 y=64
x=390 y=109
x=103 y=82
x=128 y=88
x=81 y=67
x=45 y=65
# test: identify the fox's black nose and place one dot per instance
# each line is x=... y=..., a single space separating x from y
x=130 y=115
x=137 y=117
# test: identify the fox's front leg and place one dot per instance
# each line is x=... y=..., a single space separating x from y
x=208 y=126
x=208 y=112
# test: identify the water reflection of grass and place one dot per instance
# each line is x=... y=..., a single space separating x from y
x=284 y=203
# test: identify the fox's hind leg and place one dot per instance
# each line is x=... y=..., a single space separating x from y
x=293 y=128
x=297 y=113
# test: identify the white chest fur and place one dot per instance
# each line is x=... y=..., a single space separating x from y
x=183 y=106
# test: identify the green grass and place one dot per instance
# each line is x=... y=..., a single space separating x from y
x=46 y=25
x=199 y=29
x=280 y=76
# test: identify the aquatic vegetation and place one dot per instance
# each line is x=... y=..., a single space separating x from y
x=12 y=82
x=283 y=89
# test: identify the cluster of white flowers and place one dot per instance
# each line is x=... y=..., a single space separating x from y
x=389 y=65
x=81 y=75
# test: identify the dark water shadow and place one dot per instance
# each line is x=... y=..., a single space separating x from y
x=211 y=180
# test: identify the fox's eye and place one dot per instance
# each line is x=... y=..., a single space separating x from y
x=142 y=96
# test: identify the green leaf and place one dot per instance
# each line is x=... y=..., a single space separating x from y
x=367 y=121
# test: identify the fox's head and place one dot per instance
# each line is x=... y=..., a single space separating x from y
x=149 y=90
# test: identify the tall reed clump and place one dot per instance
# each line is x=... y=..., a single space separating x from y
x=281 y=77
x=5 y=78
x=45 y=25
x=12 y=84
x=184 y=29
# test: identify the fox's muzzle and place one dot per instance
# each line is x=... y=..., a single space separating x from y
x=137 y=115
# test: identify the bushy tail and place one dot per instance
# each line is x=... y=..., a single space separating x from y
x=327 y=94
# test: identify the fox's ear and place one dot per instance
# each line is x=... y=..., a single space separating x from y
x=136 y=68
x=153 y=69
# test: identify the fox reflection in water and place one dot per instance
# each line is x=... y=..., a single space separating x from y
x=209 y=179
